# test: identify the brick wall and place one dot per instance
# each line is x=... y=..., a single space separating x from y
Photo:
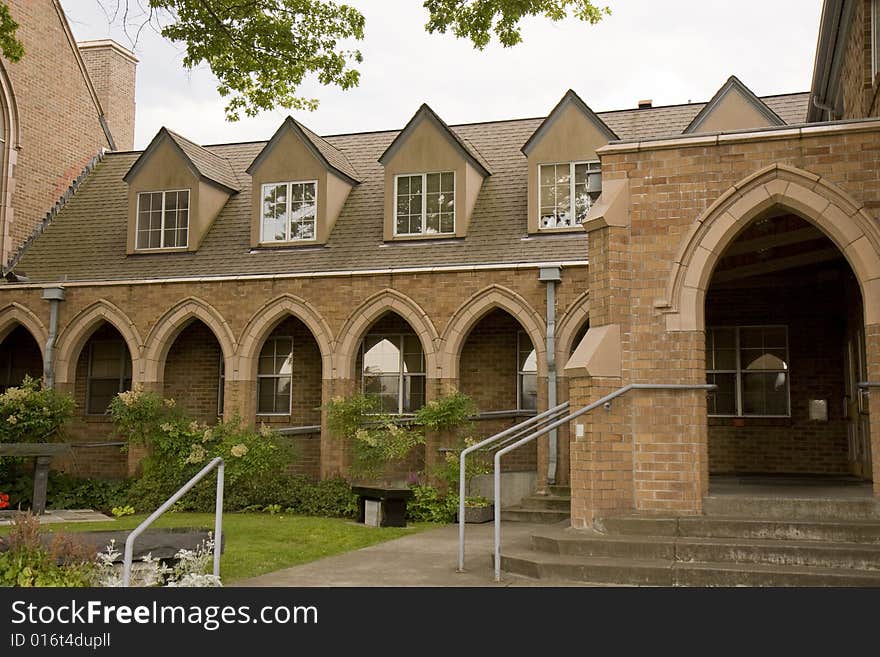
x=59 y=126
x=811 y=306
x=192 y=372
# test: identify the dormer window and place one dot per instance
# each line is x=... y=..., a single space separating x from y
x=289 y=210
x=566 y=192
x=163 y=219
x=424 y=204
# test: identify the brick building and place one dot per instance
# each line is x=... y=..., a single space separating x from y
x=733 y=242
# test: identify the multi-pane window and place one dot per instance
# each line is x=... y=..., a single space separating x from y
x=424 y=204
x=566 y=192
x=749 y=364
x=875 y=38
x=289 y=211
x=526 y=374
x=275 y=376
x=109 y=374
x=221 y=387
x=163 y=219
x=394 y=370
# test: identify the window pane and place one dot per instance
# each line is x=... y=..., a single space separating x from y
x=266 y=395
x=723 y=400
x=528 y=392
x=274 y=212
x=101 y=393
x=381 y=355
x=413 y=358
x=765 y=393
x=387 y=389
x=413 y=393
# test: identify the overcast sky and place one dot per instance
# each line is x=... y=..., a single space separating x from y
x=672 y=51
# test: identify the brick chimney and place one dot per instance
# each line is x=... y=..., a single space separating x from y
x=112 y=70
x=646 y=104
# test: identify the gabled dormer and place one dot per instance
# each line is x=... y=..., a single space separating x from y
x=565 y=177
x=300 y=183
x=432 y=179
x=176 y=189
x=733 y=107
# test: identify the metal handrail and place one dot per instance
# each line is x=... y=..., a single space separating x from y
x=604 y=401
x=218 y=518
x=508 y=434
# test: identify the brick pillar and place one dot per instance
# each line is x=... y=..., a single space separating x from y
x=335 y=455
x=240 y=398
x=872 y=352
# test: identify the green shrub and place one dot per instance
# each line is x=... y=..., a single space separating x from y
x=429 y=505
x=25 y=562
x=379 y=441
x=329 y=497
x=64 y=491
x=31 y=413
x=256 y=461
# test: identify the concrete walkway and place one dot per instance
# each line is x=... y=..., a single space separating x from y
x=59 y=515
x=428 y=558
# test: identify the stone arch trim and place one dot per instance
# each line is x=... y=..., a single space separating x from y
x=478 y=306
x=264 y=321
x=10 y=133
x=171 y=325
x=360 y=320
x=569 y=324
x=17 y=314
x=844 y=220
x=77 y=332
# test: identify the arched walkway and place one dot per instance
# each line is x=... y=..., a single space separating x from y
x=474 y=309
x=844 y=220
x=570 y=326
x=166 y=330
x=365 y=315
x=80 y=328
x=15 y=315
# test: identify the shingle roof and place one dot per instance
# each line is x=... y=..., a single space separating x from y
x=460 y=141
x=332 y=155
x=208 y=164
x=87 y=240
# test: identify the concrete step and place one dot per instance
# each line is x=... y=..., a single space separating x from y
x=560 y=491
x=851 y=531
x=543 y=516
x=546 y=502
x=774 y=508
x=585 y=543
x=657 y=572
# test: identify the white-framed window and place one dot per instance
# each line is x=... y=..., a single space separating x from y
x=394 y=370
x=875 y=39
x=109 y=374
x=526 y=374
x=163 y=219
x=749 y=364
x=424 y=203
x=289 y=211
x=275 y=376
x=566 y=192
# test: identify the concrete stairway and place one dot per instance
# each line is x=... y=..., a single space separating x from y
x=552 y=508
x=819 y=543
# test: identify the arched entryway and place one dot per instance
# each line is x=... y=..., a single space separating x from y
x=785 y=345
x=20 y=356
x=194 y=372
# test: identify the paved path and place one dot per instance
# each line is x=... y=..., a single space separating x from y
x=59 y=515
x=428 y=558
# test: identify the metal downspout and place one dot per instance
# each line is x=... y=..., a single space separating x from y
x=551 y=276
x=54 y=295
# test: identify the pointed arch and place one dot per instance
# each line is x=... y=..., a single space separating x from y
x=474 y=309
x=568 y=326
x=9 y=147
x=264 y=321
x=845 y=221
x=166 y=330
x=365 y=315
x=77 y=332
x=16 y=314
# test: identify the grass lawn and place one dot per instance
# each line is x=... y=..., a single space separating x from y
x=258 y=543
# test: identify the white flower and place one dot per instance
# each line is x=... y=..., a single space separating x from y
x=239 y=450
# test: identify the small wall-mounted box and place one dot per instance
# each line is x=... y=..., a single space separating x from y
x=818 y=410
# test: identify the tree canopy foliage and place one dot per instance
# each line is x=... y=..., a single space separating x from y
x=261 y=51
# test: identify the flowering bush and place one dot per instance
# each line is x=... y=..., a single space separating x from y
x=4 y=500
x=31 y=413
x=379 y=443
x=256 y=459
x=190 y=569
